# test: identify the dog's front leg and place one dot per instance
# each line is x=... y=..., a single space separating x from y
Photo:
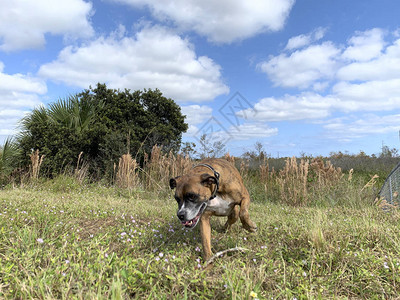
x=205 y=231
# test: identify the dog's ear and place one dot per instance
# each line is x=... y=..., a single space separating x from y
x=172 y=182
x=207 y=180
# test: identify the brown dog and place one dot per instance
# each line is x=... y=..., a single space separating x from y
x=212 y=187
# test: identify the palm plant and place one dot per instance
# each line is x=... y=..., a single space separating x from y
x=8 y=155
x=37 y=116
x=71 y=113
x=58 y=131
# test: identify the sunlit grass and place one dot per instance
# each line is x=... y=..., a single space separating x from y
x=60 y=239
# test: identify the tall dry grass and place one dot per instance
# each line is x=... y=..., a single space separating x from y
x=230 y=158
x=324 y=173
x=127 y=176
x=293 y=181
x=81 y=169
x=298 y=181
x=159 y=167
x=36 y=162
x=244 y=170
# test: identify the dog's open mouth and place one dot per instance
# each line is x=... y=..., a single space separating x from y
x=193 y=222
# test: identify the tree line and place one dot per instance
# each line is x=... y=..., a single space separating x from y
x=101 y=123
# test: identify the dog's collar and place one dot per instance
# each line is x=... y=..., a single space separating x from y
x=216 y=175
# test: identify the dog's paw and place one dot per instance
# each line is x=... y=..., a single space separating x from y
x=253 y=229
x=250 y=228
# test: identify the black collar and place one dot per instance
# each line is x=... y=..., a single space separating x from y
x=216 y=175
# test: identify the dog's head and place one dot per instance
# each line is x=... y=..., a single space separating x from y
x=192 y=193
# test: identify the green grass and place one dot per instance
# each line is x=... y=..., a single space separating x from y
x=59 y=239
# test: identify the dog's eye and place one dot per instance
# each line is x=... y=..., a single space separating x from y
x=191 y=197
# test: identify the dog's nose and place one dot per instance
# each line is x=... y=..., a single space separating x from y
x=181 y=216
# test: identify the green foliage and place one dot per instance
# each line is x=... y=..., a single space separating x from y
x=74 y=113
x=103 y=124
x=8 y=159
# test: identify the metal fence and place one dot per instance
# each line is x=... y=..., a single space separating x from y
x=391 y=188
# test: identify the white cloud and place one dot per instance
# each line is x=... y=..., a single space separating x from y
x=19 y=90
x=19 y=83
x=345 y=97
x=245 y=131
x=196 y=114
x=298 y=42
x=305 y=39
x=23 y=24
x=19 y=93
x=365 y=45
x=377 y=95
x=349 y=128
x=302 y=68
x=248 y=131
x=366 y=57
x=9 y=119
x=291 y=108
x=221 y=21
x=192 y=131
x=154 y=58
x=362 y=76
x=386 y=66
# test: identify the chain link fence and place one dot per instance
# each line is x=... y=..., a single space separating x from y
x=391 y=187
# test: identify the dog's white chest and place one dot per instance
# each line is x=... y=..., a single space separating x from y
x=221 y=207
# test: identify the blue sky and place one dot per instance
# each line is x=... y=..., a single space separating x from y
x=305 y=76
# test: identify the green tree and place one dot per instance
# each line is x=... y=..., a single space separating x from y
x=104 y=124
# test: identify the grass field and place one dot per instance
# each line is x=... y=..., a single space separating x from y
x=60 y=239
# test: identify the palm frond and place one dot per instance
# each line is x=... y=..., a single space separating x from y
x=73 y=113
x=8 y=154
x=38 y=115
x=60 y=112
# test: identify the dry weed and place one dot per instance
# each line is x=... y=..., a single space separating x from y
x=229 y=158
x=350 y=178
x=244 y=169
x=36 y=162
x=81 y=169
x=298 y=181
x=293 y=181
x=265 y=173
x=325 y=174
x=383 y=204
x=159 y=168
x=126 y=174
x=371 y=182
